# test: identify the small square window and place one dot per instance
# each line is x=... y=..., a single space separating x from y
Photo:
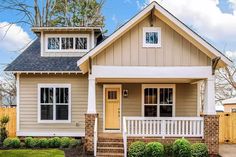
x=152 y=37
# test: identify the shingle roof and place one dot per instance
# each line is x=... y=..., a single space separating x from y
x=31 y=60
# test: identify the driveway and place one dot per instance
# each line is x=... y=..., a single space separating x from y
x=228 y=150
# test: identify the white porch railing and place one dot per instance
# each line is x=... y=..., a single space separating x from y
x=162 y=127
x=95 y=139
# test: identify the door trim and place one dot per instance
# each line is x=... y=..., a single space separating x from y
x=104 y=105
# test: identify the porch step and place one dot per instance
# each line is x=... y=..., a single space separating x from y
x=106 y=139
x=110 y=154
x=110 y=149
x=110 y=144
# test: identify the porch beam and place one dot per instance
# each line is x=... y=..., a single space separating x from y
x=193 y=72
x=91 y=96
x=209 y=100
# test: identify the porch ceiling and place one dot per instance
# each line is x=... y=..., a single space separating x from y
x=139 y=80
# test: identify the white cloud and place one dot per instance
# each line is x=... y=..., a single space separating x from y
x=205 y=16
x=15 y=38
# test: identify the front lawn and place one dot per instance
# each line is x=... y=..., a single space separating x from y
x=32 y=153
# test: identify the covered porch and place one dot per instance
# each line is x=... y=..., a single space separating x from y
x=144 y=102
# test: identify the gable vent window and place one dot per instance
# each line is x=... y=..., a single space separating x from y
x=151 y=37
x=67 y=43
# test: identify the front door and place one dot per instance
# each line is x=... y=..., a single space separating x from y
x=112 y=108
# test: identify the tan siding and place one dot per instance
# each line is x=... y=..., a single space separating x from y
x=186 y=100
x=29 y=103
x=128 y=50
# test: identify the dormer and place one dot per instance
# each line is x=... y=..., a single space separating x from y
x=67 y=41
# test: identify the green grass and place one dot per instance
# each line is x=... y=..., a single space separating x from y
x=32 y=153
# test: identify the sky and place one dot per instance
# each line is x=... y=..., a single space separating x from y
x=214 y=20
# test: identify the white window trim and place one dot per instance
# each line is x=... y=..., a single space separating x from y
x=158 y=86
x=67 y=36
x=54 y=106
x=152 y=29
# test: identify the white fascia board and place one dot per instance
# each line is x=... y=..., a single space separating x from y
x=191 y=72
x=116 y=34
x=50 y=134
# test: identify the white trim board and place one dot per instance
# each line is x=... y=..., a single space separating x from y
x=17 y=102
x=194 y=72
x=140 y=16
x=49 y=133
x=104 y=105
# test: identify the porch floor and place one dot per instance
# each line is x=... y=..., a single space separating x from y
x=110 y=135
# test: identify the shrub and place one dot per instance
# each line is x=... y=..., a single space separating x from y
x=43 y=143
x=154 y=149
x=54 y=142
x=168 y=149
x=199 y=150
x=182 y=148
x=32 y=142
x=3 y=131
x=73 y=142
x=137 y=149
x=65 y=142
x=11 y=143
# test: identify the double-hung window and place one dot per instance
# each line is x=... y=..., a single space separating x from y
x=158 y=100
x=67 y=43
x=54 y=103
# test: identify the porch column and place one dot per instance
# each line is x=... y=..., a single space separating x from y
x=90 y=116
x=211 y=120
x=209 y=100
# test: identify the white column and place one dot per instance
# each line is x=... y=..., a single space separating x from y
x=91 y=96
x=209 y=100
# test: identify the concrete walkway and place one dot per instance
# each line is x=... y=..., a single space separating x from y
x=228 y=150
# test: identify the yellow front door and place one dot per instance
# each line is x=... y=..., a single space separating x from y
x=112 y=108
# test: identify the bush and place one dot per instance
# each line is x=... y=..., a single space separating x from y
x=65 y=142
x=199 y=150
x=154 y=149
x=168 y=149
x=73 y=143
x=3 y=131
x=43 y=143
x=32 y=142
x=11 y=143
x=182 y=148
x=137 y=149
x=54 y=142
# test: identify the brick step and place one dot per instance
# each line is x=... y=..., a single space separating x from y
x=110 y=150
x=110 y=154
x=110 y=144
x=105 y=139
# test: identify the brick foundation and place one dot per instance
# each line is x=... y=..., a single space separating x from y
x=211 y=133
x=89 y=132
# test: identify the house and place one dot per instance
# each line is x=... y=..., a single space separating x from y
x=229 y=105
x=140 y=83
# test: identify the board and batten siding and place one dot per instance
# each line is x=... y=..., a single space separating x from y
x=186 y=101
x=29 y=102
x=175 y=50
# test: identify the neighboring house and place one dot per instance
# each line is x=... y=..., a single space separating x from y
x=142 y=81
x=229 y=105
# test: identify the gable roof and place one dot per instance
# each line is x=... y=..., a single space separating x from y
x=31 y=61
x=172 y=21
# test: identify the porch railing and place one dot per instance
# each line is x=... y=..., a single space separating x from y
x=162 y=127
x=95 y=133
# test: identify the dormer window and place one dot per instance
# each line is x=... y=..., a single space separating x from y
x=151 y=37
x=67 y=43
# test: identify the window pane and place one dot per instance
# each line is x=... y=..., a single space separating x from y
x=46 y=112
x=112 y=94
x=61 y=112
x=62 y=95
x=53 y=43
x=67 y=43
x=150 y=111
x=150 y=95
x=165 y=110
x=151 y=37
x=46 y=95
x=166 y=96
x=81 y=43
